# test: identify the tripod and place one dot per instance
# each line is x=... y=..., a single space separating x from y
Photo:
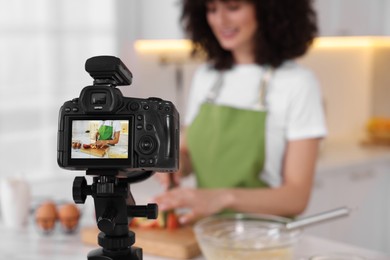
x=114 y=208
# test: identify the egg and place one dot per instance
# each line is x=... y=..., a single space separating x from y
x=46 y=216
x=69 y=216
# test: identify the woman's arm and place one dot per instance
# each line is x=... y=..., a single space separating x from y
x=293 y=196
x=288 y=200
x=101 y=143
x=116 y=138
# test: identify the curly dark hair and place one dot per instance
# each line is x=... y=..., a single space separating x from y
x=287 y=29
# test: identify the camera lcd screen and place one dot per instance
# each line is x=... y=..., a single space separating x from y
x=100 y=139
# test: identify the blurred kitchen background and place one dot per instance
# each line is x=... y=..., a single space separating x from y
x=44 y=45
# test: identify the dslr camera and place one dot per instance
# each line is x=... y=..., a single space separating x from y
x=103 y=130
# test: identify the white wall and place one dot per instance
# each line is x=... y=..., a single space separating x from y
x=345 y=76
x=355 y=83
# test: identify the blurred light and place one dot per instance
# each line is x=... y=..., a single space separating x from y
x=158 y=46
x=185 y=46
x=351 y=42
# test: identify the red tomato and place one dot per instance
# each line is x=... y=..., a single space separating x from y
x=86 y=146
x=172 y=221
x=150 y=224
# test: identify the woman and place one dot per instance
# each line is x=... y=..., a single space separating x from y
x=108 y=133
x=254 y=118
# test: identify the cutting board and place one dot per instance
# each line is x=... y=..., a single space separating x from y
x=180 y=243
x=99 y=152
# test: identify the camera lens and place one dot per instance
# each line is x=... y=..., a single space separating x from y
x=147 y=144
x=98 y=98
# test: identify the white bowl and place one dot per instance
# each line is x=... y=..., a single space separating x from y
x=338 y=256
x=249 y=237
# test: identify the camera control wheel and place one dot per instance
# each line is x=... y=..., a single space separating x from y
x=147 y=144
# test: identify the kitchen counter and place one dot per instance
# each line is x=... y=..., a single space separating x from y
x=345 y=153
x=29 y=244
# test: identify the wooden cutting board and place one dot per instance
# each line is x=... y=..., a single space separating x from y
x=180 y=243
x=99 y=152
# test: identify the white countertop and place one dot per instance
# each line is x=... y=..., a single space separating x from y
x=29 y=244
x=345 y=153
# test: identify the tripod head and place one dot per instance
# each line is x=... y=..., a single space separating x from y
x=114 y=208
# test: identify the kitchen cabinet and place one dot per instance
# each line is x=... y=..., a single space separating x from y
x=353 y=17
x=363 y=187
x=159 y=19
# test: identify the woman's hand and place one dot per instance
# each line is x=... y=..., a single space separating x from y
x=199 y=202
x=101 y=143
x=168 y=181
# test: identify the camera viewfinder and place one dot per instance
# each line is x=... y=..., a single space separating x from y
x=98 y=98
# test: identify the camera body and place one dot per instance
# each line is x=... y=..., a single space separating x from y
x=103 y=130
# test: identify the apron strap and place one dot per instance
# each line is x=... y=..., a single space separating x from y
x=264 y=83
x=215 y=89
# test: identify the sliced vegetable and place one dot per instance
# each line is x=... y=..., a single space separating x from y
x=168 y=220
x=172 y=221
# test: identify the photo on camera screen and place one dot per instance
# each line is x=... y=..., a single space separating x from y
x=100 y=139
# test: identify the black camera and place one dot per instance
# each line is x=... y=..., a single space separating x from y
x=103 y=130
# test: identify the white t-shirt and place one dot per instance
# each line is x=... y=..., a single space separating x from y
x=293 y=100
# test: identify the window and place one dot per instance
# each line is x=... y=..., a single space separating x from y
x=43 y=48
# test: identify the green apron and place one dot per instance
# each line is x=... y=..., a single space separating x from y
x=106 y=131
x=226 y=144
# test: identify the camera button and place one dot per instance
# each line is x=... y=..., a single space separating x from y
x=140 y=117
x=142 y=161
x=139 y=127
x=75 y=109
x=149 y=127
x=67 y=109
x=146 y=107
x=151 y=161
x=134 y=106
x=167 y=108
